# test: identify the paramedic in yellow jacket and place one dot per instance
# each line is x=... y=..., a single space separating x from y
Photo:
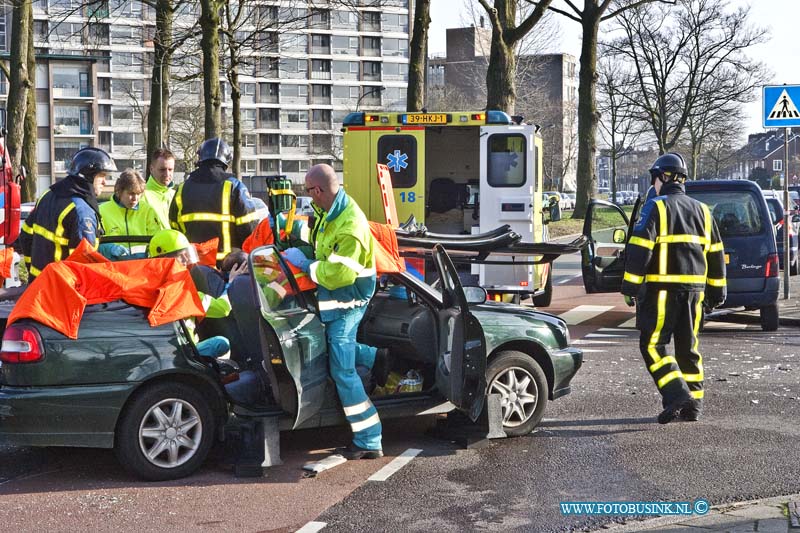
x=344 y=271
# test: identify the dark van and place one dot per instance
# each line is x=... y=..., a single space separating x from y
x=751 y=255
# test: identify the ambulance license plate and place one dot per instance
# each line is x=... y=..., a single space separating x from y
x=426 y=118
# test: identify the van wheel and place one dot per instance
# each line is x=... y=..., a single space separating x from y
x=165 y=432
x=544 y=300
x=769 y=317
x=521 y=384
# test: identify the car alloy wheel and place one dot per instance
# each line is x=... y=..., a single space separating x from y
x=170 y=433
x=518 y=395
x=523 y=389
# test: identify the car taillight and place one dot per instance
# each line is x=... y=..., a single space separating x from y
x=21 y=344
x=772 y=266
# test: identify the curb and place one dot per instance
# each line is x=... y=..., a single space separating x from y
x=653 y=523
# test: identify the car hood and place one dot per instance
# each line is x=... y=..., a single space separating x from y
x=504 y=322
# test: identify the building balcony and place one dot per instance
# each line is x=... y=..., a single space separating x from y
x=269 y=149
x=368 y=101
x=71 y=92
x=59 y=166
x=371 y=52
x=294 y=150
x=268 y=99
x=294 y=125
x=61 y=130
x=320 y=125
x=370 y=26
x=371 y=77
x=325 y=100
x=321 y=50
x=269 y=125
x=294 y=100
x=345 y=76
x=321 y=75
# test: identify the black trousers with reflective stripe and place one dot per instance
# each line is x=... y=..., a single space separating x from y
x=661 y=315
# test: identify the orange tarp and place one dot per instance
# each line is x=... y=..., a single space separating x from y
x=387 y=256
x=6 y=260
x=207 y=251
x=59 y=295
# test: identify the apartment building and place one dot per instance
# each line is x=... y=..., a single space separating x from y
x=94 y=63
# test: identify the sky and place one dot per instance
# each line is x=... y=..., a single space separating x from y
x=781 y=53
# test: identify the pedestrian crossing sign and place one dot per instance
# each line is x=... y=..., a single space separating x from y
x=780 y=106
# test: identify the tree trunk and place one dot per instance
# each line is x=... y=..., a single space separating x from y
x=587 y=112
x=501 y=92
x=415 y=95
x=209 y=43
x=236 y=105
x=157 y=136
x=18 y=82
x=29 y=159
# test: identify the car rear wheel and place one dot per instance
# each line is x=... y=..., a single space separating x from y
x=769 y=317
x=522 y=387
x=165 y=432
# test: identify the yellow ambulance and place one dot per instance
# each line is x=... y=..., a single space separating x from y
x=457 y=173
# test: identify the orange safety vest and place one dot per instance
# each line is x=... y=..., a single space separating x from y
x=58 y=296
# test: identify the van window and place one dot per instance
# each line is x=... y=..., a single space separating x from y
x=506 y=160
x=737 y=212
x=399 y=153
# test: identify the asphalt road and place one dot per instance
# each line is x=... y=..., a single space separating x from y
x=602 y=443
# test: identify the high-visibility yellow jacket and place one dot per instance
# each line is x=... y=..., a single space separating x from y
x=119 y=220
x=159 y=197
x=675 y=246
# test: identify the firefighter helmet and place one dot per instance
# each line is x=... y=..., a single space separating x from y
x=215 y=150
x=173 y=243
x=90 y=161
x=669 y=167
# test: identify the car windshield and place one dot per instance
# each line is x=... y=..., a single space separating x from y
x=736 y=212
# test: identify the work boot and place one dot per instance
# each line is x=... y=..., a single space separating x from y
x=672 y=410
x=352 y=452
x=691 y=413
x=382 y=366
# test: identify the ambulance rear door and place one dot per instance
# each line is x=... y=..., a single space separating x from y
x=508 y=196
x=402 y=149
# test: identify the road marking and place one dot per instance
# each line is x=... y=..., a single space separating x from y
x=397 y=463
x=724 y=325
x=622 y=330
x=605 y=335
x=592 y=341
x=582 y=313
x=566 y=280
x=312 y=527
x=592 y=350
x=630 y=324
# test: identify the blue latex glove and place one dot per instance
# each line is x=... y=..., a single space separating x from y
x=112 y=251
x=296 y=257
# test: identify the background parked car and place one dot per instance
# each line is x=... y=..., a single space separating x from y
x=571 y=197
x=775 y=207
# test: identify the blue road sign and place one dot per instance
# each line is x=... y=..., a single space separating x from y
x=780 y=106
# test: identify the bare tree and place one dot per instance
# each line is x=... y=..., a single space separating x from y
x=209 y=46
x=29 y=159
x=620 y=127
x=593 y=13
x=690 y=64
x=506 y=34
x=418 y=48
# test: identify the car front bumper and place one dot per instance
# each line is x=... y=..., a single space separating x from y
x=566 y=363
x=82 y=416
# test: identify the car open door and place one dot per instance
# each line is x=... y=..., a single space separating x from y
x=461 y=369
x=299 y=334
x=602 y=262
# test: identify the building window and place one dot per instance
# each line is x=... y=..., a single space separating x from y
x=249 y=118
x=777 y=165
x=249 y=140
x=248 y=89
x=269 y=165
x=249 y=166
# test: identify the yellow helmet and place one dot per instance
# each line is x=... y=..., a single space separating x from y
x=173 y=243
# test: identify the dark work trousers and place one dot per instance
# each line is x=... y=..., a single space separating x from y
x=662 y=314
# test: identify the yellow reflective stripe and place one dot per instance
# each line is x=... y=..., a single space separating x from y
x=275 y=192
x=693 y=239
x=707 y=226
x=364 y=424
x=697 y=394
x=662 y=313
x=698 y=318
x=714 y=282
x=255 y=215
x=49 y=235
x=633 y=278
x=664 y=361
x=34 y=271
x=60 y=230
x=206 y=217
x=675 y=374
x=226 y=212
x=27 y=229
x=716 y=247
x=694 y=378
x=349 y=262
x=662 y=232
x=644 y=243
x=179 y=203
x=675 y=278
x=357 y=409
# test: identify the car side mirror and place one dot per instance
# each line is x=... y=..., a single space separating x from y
x=618 y=236
x=796 y=219
x=475 y=294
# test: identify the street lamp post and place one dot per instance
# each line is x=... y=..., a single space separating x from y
x=366 y=93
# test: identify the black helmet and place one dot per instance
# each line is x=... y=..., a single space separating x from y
x=89 y=161
x=671 y=166
x=215 y=149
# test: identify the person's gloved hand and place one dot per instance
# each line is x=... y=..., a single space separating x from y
x=296 y=257
x=112 y=251
x=630 y=300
